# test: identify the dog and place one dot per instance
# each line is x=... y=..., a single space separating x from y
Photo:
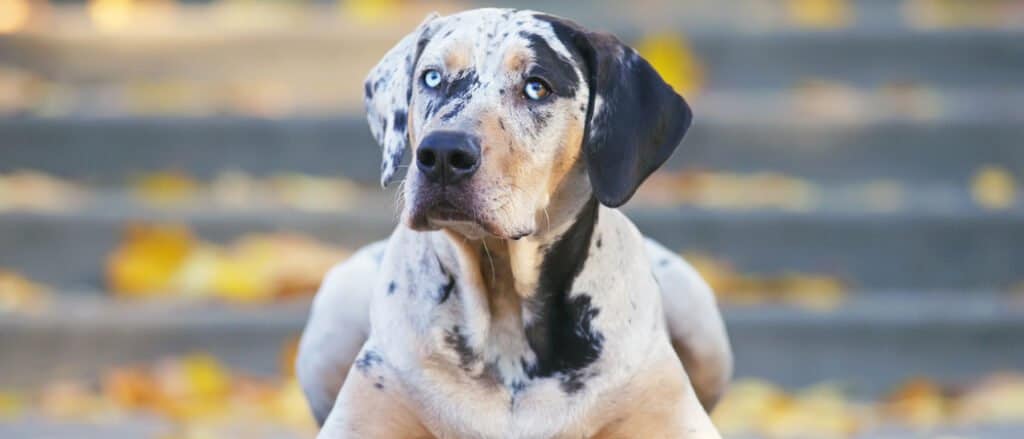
x=514 y=300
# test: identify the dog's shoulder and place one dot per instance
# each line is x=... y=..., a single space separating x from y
x=337 y=326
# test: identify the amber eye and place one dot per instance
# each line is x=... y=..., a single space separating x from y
x=432 y=78
x=536 y=89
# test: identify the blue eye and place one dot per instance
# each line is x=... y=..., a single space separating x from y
x=536 y=89
x=432 y=78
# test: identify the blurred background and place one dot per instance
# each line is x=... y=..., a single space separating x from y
x=176 y=177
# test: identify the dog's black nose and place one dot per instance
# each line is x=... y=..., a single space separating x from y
x=448 y=157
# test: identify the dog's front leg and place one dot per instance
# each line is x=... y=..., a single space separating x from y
x=662 y=404
x=368 y=409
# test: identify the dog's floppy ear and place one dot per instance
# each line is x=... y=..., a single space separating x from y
x=388 y=90
x=634 y=121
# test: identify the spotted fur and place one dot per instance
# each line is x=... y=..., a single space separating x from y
x=538 y=310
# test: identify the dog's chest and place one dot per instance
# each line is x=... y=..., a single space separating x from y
x=475 y=366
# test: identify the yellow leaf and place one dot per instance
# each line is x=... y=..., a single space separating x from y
x=240 y=280
x=820 y=14
x=11 y=405
x=196 y=386
x=747 y=406
x=672 y=57
x=994 y=188
x=370 y=11
x=130 y=388
x=166 y=188
x=147 y=259
x=919 y=403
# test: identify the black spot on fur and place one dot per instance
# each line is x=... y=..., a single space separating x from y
x=454 y=111
x=572 y=382
x=368 y=90
x=663 y=262
x=558 y=71
x=516 y=386
x=540 y=118
x=391 y=288
x=429 y=110
x=445 y=290
x=379 y=386
x=460 y=344
x=561 y=334
x=400 y=120
x=368 y=360
x=396 y=157
x=501 y=124
x=460 y=87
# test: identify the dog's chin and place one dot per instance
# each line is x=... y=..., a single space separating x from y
x=447 y=217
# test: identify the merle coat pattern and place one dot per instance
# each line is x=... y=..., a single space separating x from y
x=514 y=300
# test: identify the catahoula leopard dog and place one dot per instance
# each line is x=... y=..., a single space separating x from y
x=514 y=300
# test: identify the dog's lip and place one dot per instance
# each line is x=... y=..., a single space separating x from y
x=444 y=210
x=444 y=213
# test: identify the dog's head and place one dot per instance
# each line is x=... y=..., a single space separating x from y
x=510 y=114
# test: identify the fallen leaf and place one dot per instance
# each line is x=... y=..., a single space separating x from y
x=820 y=14
x=674 y=60
x=993 y=187
x=147 y=259
x=166 y=188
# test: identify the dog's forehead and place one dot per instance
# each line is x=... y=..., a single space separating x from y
x=487 y=36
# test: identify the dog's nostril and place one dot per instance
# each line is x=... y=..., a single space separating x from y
x=426 y=157
x=461 y=161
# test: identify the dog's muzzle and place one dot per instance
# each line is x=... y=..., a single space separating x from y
x=448 y=157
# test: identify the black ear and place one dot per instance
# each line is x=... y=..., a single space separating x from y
x=634 y=121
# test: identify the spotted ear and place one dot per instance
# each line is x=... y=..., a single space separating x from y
x=634 y=121
x=387 y=91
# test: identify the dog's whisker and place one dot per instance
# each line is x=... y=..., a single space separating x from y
x=487 y=252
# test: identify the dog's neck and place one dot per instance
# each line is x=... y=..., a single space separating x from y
x=524 y=285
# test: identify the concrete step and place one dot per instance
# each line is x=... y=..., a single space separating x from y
x=871 y=343
x=730 y=59
x=909 y=249
x=109 y=151
x=756 y=16
x=935 y=238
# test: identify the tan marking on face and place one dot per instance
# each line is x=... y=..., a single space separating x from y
x=458 y=56
x=515 y=60
x=568 y=156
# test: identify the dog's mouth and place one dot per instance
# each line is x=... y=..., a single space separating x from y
x=444 y=212
x=438 y=211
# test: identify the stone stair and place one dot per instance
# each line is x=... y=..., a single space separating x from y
x=930 y=277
